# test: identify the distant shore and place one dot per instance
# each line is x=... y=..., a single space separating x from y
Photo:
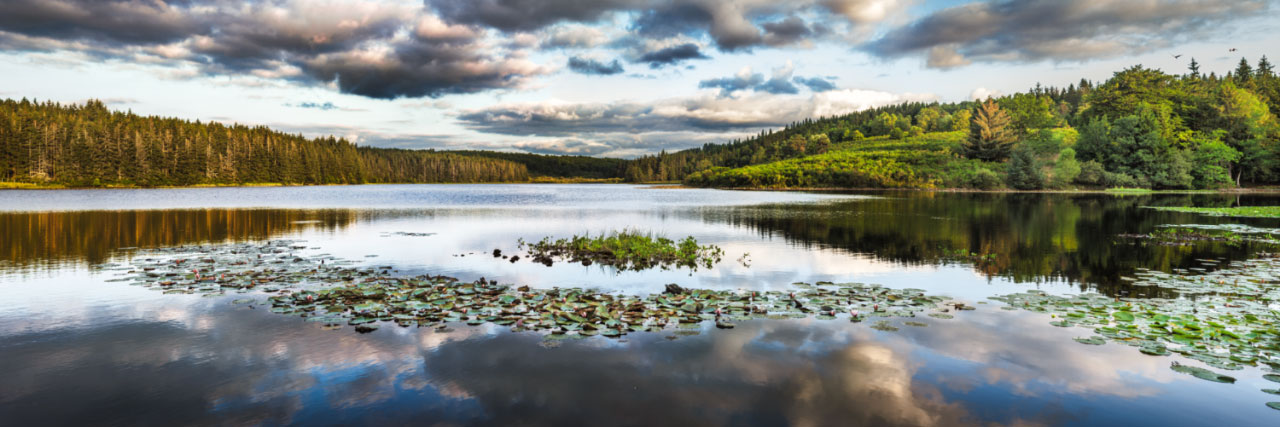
x=658 y=185
x=56 y=186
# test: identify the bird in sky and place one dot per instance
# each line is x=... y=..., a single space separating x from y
x=1177 y=56
x=1232 y=50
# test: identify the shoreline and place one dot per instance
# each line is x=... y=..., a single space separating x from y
x=6 y=186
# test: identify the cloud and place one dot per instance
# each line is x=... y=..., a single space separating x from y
x=982 y=93
x=676 y=123
x=671 y=55
x=575 y=37
x=565 y=146
x=526 y=15
x=816 y=84
x=779 y=83
x=1058 y=30
x=791 y=30
x=325 y=106
x=595 y=67
x=743 y=80
x=731 y=25
x=368 y=48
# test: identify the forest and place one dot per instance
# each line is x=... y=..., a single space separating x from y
x=1142 y=128
x=88 y=145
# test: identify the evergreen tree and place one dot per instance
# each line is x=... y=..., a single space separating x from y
x=1195 y=69
x=1024 y=170
x=1243 y=73
x=990 y=135
x=1265 y=69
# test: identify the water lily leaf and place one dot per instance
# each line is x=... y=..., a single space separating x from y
x=1094 y=340
x=1202 y=373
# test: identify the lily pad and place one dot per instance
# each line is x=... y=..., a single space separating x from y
x=1202 y=373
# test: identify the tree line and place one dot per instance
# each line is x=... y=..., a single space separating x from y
x=89 y=145
x=1140 y=128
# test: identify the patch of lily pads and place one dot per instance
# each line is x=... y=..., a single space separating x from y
x=1236 y=211
x=335 y=293
x=1226 y=318
x=1186 y=234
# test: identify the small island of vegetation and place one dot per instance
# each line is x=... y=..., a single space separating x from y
x=625 y=250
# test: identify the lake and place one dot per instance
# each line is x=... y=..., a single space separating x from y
x=79 y=346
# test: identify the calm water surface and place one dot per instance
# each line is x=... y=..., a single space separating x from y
x=77 y=349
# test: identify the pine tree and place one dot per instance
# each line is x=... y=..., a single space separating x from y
x=990 y=136
x=1265 y=70
x=1243 y=72
x=1024 y=170
x=1195 y=69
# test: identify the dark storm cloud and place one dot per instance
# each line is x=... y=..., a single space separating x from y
x=671 y=55
x=525 y=15
x=816 y=84
x=594 y=67
x=787 y=31
x=676 y=19
x=1030 y=30
x=372 y=49
x=731 y=25
x=114 y=21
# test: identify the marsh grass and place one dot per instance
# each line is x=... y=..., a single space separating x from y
x=626 y=250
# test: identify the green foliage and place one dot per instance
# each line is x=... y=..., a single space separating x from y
x=1135 y=151
x=1126 y=91
x=880 y=162
x=990 y=137
x=1024 y=170
x=1065 y=169
x=546 y=165
x=627 y=250
x=88 y=145
x=1212 y=160
x=1029 y=111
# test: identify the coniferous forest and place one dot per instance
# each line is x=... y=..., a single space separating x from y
x=88 y=145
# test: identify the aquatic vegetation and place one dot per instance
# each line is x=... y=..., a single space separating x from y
x=1181 y=236
x=625 y=250
x=331 y=292
x=1226 y=318
x=1238 y=211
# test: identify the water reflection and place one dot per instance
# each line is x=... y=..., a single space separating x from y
x=215 y=364
x=1024 y=237
x=52 y=239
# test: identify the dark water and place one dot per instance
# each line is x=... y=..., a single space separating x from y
x=76 y=349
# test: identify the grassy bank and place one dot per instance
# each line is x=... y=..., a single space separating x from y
x=927 y=162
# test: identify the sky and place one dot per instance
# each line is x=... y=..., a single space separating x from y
x=615 y=78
